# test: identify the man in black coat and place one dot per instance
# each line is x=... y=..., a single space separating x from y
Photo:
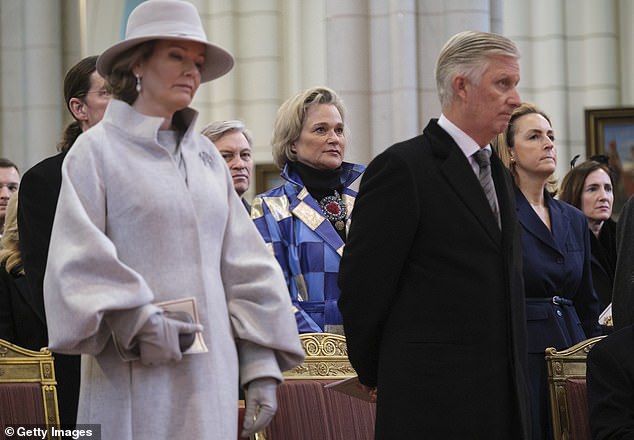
x=610 y=377
x=431 y=287
x=86 y=97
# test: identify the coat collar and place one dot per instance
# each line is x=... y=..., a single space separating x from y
x=459 y=175
x=305 y=207
x=559 y=222
x=140 y=127
x=350 y=172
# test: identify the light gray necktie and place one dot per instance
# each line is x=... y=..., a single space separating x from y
x=482 y=157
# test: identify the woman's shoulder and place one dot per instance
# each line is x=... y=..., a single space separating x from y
x=272 y=202
x=569 y=210
x=278 y=191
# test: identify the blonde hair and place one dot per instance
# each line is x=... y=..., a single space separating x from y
x=504 y=141
x=291 y=117
x=10 y=254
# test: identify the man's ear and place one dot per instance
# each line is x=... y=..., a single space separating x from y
x=459 y=85
x=76 y=106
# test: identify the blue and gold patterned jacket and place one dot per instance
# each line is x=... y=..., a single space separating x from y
x=307 y=246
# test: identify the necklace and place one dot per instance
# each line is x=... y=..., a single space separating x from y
x=334 y=210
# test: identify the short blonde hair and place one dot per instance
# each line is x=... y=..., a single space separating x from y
x=10 y=253
x=468 y=53
x=291 y=117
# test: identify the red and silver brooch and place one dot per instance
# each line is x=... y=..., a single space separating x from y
x=335 y=210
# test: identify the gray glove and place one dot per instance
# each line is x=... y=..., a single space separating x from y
x=261 y=404
x=158 y=340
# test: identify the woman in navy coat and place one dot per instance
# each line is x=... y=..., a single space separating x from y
x=561 y=306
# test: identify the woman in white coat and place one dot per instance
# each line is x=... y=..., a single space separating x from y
x=147 y=213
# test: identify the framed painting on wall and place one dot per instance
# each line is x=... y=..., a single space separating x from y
x=267 y=176
x=610 y=137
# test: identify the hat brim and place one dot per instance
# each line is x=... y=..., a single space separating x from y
x=217 y=60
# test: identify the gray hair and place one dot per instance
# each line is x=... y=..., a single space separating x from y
x=217 y=129
x=467 y=53
x=291 y=117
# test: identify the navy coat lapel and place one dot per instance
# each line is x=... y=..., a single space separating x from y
x=559 y=222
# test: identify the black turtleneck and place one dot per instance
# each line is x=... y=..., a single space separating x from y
x=320 y=183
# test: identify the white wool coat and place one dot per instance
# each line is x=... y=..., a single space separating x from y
x=129 y=231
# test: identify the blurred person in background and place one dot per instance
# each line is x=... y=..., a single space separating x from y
x=589 y=187
x=16 y=314
x=235 y=144
x=86 y=95
x=9 y=184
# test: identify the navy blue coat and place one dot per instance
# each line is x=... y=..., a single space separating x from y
x=555 y=263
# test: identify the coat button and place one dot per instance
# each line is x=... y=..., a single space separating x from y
x=559 y=313
x=559 y=260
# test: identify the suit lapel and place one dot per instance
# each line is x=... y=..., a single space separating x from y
x=460 y=176
x=506 y=198
x=534 y=225
x=560 y=224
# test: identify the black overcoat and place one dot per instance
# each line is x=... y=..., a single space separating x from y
x=432 y=295
x=610 y=378
x=39 y=191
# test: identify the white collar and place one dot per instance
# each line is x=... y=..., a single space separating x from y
x=464 y=141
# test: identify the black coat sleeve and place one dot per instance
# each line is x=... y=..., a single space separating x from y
x=39 y=191
x=384 y=222
x=610 y=379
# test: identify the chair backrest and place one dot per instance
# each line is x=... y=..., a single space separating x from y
x=326 y=358
x=28 y=394
x=567 y=387
x=307 y=410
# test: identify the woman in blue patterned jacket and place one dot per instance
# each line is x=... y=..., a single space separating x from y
x=305 y=220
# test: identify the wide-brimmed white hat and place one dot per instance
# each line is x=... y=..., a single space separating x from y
x=167 y=20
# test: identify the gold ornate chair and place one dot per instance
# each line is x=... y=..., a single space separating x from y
x=567 y=386
x=28 y=394
x=307 y=410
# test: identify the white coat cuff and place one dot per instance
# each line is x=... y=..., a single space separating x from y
x=256 y=362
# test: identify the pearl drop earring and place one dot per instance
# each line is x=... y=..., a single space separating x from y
x=138 y=83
